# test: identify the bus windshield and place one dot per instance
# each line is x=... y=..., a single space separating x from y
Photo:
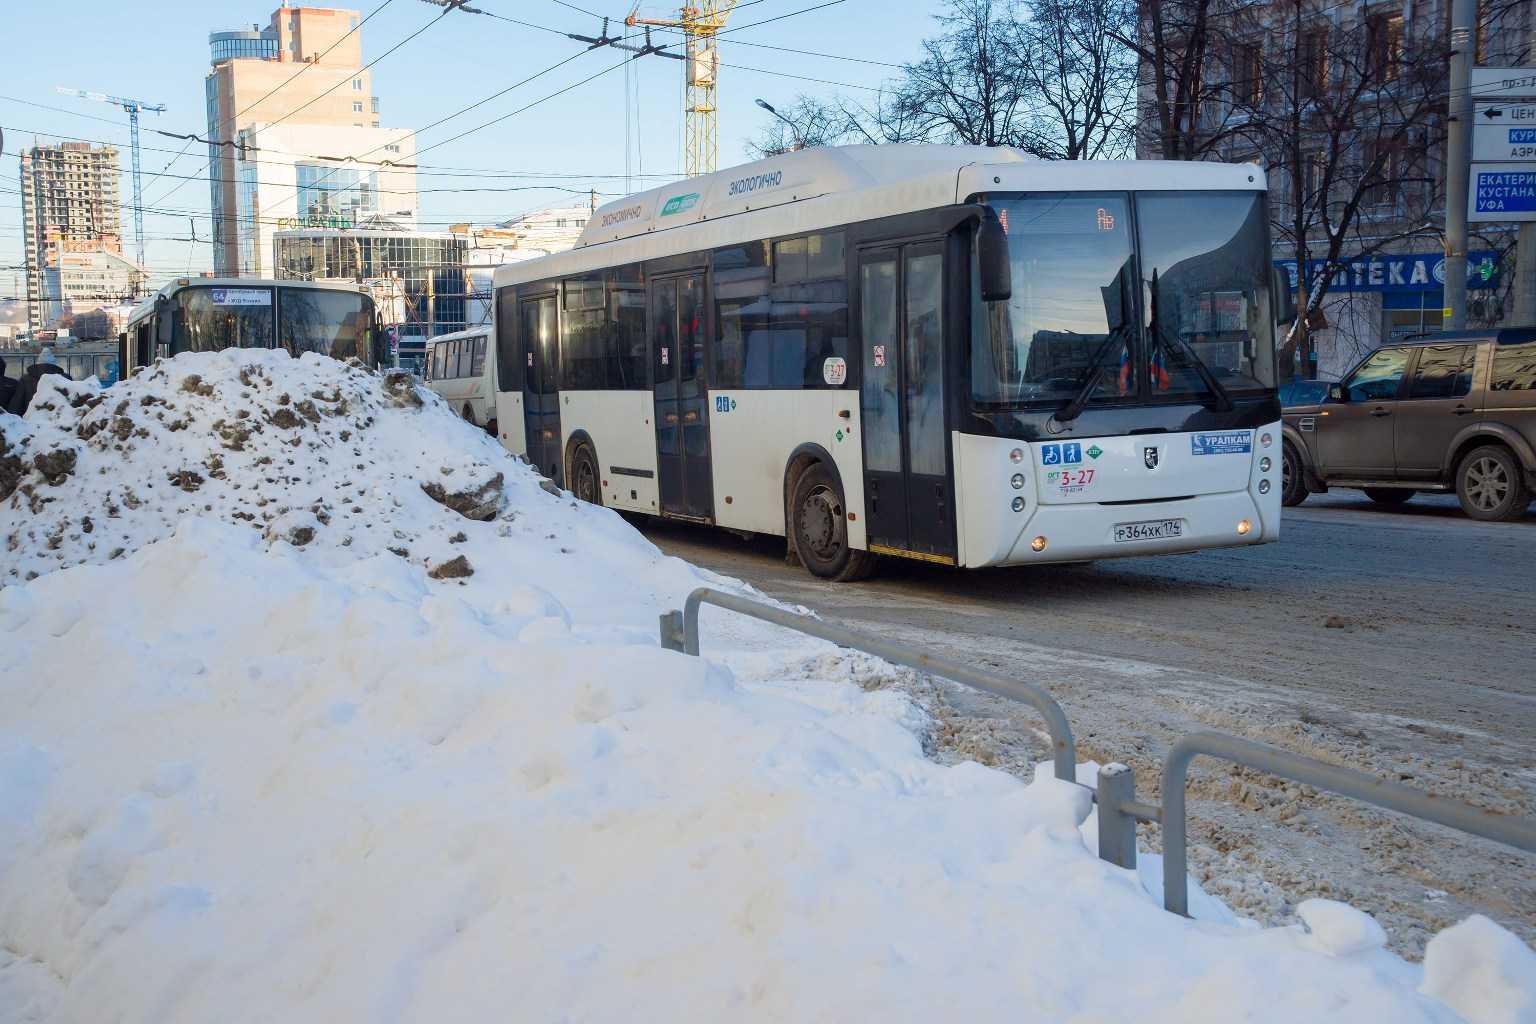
x=331 y=322
x=1163 y=296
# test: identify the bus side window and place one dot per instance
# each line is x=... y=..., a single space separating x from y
x=509 y=365
x=741 y=308
x=808 y=316
x=583 y=327
x=477 y=366
x=626 y=352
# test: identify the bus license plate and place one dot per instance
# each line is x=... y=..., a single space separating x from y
x=1153 y=529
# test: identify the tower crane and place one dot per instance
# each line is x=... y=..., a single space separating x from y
x=700 y=23
x=133 y=107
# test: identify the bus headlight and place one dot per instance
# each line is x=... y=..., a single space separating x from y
x=1018 y=504
x=1017 y=481
x=1017 y=455
x=1264 y=486
x=1265 y=440
x=1243 y=526
x=1264 y=464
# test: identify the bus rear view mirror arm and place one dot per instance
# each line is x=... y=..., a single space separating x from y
x=992 y=258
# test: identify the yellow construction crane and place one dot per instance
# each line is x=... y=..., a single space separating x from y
x=701 y=68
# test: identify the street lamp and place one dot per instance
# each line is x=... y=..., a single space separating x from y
x=795 y=129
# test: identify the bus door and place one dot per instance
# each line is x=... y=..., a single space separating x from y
x=908 y=493
x=541 y=385
x=678 y=341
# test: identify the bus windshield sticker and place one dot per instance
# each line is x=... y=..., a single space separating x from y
x=879 y=355
x=834 y=370
x=241 y=296
x=1066 y=454
x=1226 y=442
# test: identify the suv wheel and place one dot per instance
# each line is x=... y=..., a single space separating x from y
x=1389 y=495
x=819 y=520
x=1293 y=485
x=1489 y=484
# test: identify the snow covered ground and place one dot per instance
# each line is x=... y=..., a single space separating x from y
x=318 y=706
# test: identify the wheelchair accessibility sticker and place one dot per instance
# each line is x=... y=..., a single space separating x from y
x=1066 y=454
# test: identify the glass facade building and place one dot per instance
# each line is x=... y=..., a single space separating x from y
x=429 y=269
x=242 y=45
x=329 y=191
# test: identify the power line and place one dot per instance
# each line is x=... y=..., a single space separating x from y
x=427 y=170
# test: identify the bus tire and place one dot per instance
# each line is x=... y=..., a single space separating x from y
x=469 y=416
x=586 y=484
x=818 y=518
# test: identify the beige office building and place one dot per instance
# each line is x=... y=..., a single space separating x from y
x=69 y=208
x=282 y=100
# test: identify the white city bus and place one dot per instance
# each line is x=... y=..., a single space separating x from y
x=955 y=354
x=456 y=370
x=203 y=314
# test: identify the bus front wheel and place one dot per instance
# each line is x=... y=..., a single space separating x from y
x=819 y=519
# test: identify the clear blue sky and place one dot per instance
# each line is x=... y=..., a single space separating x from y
x=159 y=53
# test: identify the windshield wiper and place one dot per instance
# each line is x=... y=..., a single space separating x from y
x=1192 y=358
x=1073 y=407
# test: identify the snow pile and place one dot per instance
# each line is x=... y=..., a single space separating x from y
x=250 y=775
x=308 y=451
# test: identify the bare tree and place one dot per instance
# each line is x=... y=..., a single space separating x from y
x=1182 y=82
x=1081 y=77
x=1045 y=76
x=1345 y=117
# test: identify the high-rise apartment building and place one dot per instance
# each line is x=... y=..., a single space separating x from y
x=283 y=102
x=69 y=208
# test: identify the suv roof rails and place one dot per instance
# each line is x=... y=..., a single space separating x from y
x=1500 y=335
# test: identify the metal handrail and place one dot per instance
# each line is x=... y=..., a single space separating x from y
x=1115 y=795
x=1517 y=832
x=684 y=636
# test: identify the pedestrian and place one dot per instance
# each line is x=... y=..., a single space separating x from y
x=7 y=386
x=26 y=387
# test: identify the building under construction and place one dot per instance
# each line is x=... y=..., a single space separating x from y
x=73 y=232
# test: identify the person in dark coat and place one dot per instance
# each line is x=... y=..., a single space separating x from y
x=7 y=386
x=26 y=387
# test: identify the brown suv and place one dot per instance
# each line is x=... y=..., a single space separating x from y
x=1453 y=411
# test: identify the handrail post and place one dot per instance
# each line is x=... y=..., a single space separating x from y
x=672 y=631
x=1117 y=828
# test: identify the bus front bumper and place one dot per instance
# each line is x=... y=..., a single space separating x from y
x=1085 y=532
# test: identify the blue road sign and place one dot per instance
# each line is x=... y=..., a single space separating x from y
x=1502 y=193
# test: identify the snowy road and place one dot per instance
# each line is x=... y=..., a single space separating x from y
x=1399 y=642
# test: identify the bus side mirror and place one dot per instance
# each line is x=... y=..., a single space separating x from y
x=1283 y=298
x=992 y=258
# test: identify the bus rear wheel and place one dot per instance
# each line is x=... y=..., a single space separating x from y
x=584 y=476
x=818 y=518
